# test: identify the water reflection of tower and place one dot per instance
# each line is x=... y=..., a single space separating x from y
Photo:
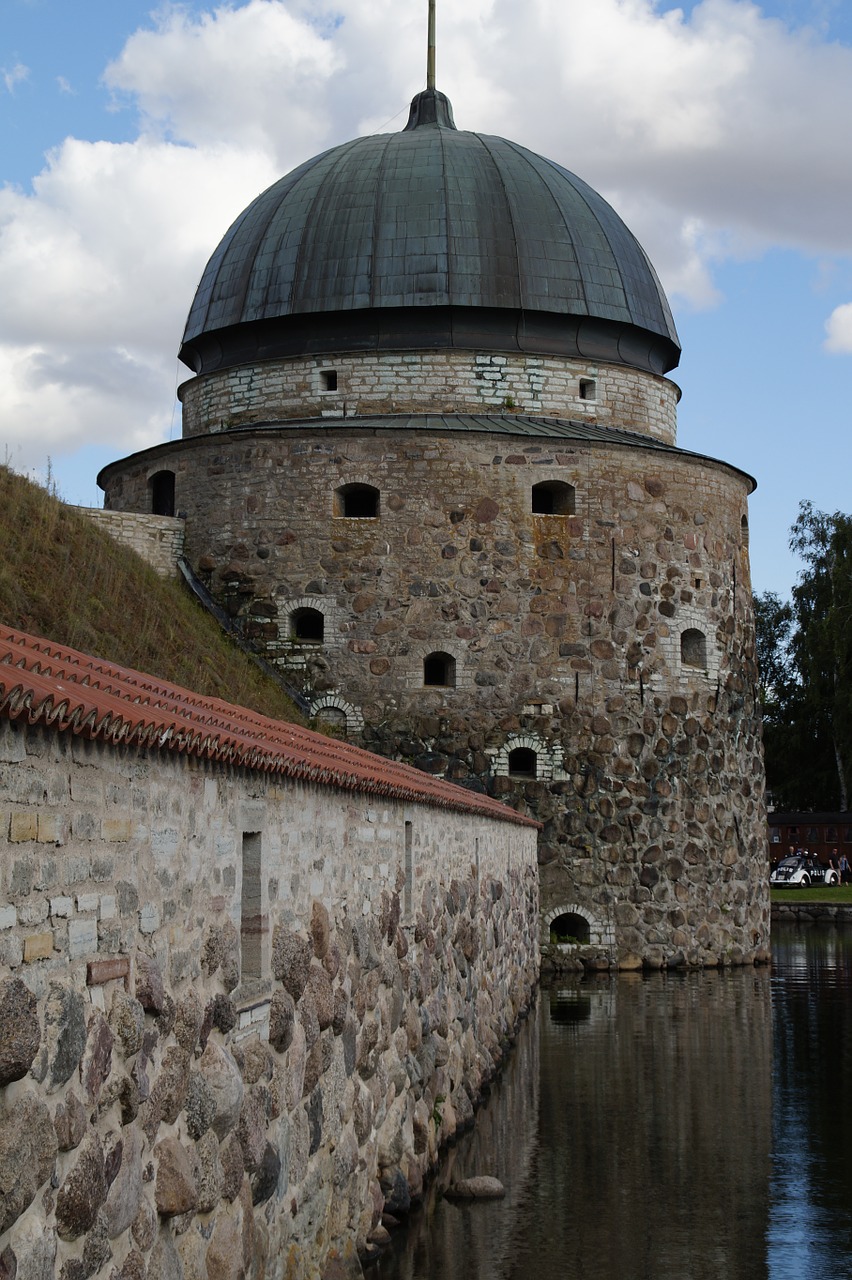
x=655 y=1124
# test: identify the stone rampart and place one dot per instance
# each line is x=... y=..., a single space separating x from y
x=157 y=539
x=431 y=382
x=238 y=1013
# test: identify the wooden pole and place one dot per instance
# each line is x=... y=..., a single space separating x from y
x=430 y=62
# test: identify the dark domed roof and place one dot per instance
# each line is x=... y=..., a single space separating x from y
x=431 y=237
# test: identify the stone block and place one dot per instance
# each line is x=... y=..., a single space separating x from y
x=82 y=938
x=38 y=946
x=85 y=826
x=51 y=828
x=108 y=909
x=117 y=829
x=149 y=919
x=27 y=1153
x=11 y=951
x=8 y=917
x=87 y=903
x=23 y=825
x=33 y=912
x=83 y=1191
x=61 y=906
x=12 y=748
x=149 y=984
x=20 y=1034
x=175 y=1189
x=100 y=971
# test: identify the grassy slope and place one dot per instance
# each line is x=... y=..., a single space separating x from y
x=63 y=578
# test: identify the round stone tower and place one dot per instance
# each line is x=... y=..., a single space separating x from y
x=429 y=461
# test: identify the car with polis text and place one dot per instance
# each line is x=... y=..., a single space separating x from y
x=799 y=871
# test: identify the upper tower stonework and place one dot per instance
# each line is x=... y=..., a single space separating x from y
x=430 y=464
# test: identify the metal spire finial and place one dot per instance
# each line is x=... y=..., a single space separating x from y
x=429 y=108
x=430 y=61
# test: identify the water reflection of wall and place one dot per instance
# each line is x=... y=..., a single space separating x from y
x=475 y=1241
x=633 y=1131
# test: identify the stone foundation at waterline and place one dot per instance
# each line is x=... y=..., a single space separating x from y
x=237 y=1011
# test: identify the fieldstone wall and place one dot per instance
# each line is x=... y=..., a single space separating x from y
x=238 y=1016
x=431 y=382
x=157 y=539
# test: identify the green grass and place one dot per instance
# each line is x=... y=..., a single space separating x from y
x=64 y=578
x=819 y=893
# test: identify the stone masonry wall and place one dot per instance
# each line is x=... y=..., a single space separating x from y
x=237 y=1015
x=431 y=382
x=157 y=539
x=568 y=636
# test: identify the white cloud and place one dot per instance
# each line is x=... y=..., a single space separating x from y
x=838 y=329
x=715 y=134
x=256 y=75
x=102 y=261
x=14 y=76
x=728 y=118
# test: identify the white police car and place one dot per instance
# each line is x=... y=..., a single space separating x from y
x=800 y=871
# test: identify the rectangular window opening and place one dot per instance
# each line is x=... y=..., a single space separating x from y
x=328 y=379
x=408 y=893
x=251 y=912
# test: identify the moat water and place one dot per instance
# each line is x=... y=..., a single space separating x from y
x=693 y=1126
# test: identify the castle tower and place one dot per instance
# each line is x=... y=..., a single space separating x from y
x=429 y=461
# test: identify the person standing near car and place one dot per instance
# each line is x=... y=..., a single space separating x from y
x=843 y=868
x=833 y=876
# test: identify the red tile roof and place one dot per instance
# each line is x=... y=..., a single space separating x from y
x=48 y=684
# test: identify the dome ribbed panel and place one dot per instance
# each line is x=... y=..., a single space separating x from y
x=335 y=265
x=430 y=218
x=550 y=275
x=411 y=252
x=239 y=273
x=483 y=241
x=647 y=307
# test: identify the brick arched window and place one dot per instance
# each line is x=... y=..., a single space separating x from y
x=693 y=649
x=439 y=669
x=523 y=763
x=570 y=927
x=307 y=625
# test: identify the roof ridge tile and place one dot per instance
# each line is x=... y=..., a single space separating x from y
x=62 y=693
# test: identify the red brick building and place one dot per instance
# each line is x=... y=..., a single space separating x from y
x=819 y=833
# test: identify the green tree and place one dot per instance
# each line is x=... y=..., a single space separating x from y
x=822 y=639
x=805 y=654
x=773 y=621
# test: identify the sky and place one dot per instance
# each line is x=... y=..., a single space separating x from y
x=133 y=135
